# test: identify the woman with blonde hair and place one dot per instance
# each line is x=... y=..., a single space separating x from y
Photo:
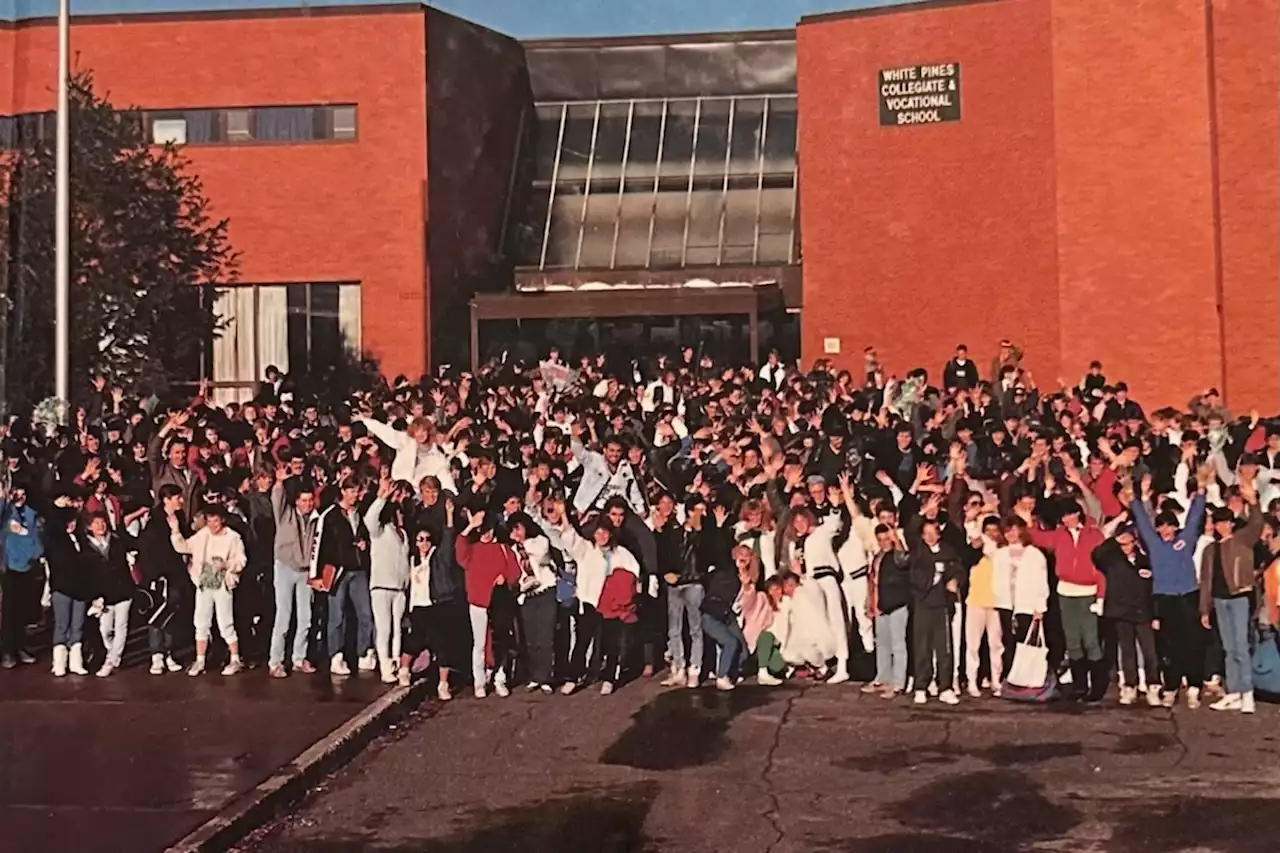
x=720 y=606
x=755 y=530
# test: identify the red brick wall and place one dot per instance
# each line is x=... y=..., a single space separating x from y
x=6 y=68
x=919 y=238
x=1247 y=63
x=1136 y=255
x=339 y=211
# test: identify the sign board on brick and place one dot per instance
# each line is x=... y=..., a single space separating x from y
x=831 y=346
x=920 y=94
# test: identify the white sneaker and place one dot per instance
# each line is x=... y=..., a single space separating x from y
x=1128 y=695
x=727 y=684
x=338 y=666
x=974 y=691
x=567 y=688
x=764 y=679
x=172 y=665
x=500 y=688
x=933 y=689
x=60 y=656
x=1247 y=704
x=841 y=674
x=480 y=692
x=157 y=664
x=1229 y=702
x=235 y=666
x=1193 y=698
x=1153 y=696
x=693 y=678
x=921 y=697
x=949 y=697
x=197 y=668
x=369 y=662
x=75 y=661
x=675 y=678
x=106 y=670
x=443 y=693
x=606 y=689
x=1169 y=698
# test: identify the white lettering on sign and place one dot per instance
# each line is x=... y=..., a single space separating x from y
x=920 y=94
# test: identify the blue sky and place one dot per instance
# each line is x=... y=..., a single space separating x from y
x=522 y=18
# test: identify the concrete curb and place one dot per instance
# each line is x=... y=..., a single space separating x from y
x=254 y=808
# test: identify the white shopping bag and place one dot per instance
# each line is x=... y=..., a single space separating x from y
x=1030 y=660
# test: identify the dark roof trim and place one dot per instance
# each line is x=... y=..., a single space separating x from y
x=589 y=42
x=896 y=9
x=391 y=7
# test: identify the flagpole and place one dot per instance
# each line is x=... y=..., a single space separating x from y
x=62 y=214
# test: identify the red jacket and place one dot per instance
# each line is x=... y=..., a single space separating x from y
x=618 y=598
x=484 y=564
x=1104 y=489
x=1073 y=560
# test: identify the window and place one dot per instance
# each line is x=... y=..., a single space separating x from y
x=169 y=130
x=237 y=126
x=303 y=329
x=343 y=122
x=661 y=183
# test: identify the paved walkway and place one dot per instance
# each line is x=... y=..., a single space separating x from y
x=134 y=762
x=799 y=769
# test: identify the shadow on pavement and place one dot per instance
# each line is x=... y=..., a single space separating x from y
x=610 y=820
x=682 y=728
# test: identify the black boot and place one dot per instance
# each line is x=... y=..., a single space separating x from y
x=1079 y=680
x=1099 y=680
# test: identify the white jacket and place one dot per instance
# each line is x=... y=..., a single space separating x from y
x=388 y=550
x=591 y=564
x=538 y=550
x=1021 y=583
x=204 y=547
x=412 y=461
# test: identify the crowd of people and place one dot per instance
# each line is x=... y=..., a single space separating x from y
x=555 y=525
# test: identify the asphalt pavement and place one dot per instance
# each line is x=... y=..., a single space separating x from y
x=817 y=768
x=131 y=763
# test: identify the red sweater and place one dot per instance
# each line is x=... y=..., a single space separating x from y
x=618 y=598
x=484 y=563
x=1104 y=489
x=1073 y=560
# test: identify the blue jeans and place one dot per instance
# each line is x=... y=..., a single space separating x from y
x=891 y=648
x=293 y=597
x=685 y=600
x=730 y=640
x=68 y=619
x=1233 y=627
x=353 y=586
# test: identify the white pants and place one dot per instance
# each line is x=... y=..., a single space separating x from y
x=979 y=621
x=209 y=601
x=856 y=592
x=479 y=631
x=388 y=614
x=958 y=622
x=837 y=614
x=114 y=624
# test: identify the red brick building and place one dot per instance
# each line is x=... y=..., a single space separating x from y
x=1111 y=191
x=410 y=182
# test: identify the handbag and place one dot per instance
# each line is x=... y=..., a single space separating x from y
x=1266 y=662
x=1030 y=679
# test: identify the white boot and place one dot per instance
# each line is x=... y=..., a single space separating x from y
x=1247 y=705
x=388 y=672
x=1193 y=698
x=60 y=661
x=1153 y=696
x=1127 y=695
x=338 y=665
x=75 y=663
x=157 y=664
x=841 y=674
